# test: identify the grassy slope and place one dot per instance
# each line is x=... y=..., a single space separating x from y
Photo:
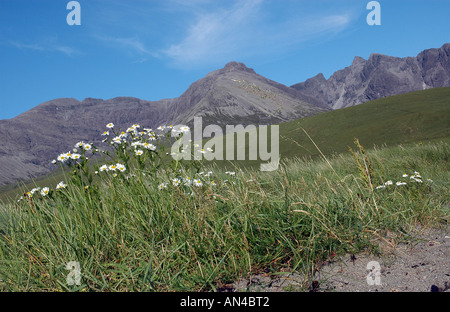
x=412 y=117
x=401 y=119
x=129 y=236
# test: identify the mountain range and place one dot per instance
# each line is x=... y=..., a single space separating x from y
x=380 y=76
x=234 y=95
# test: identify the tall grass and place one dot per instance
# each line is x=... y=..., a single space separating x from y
x=139 y=232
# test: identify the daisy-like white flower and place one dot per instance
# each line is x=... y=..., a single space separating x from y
x=112 y=167
x=161 y=128
x=187 y=181
x=162 y=186
x=121 y=167
x=103 y=168
x=105 y=133
x=139 y=152
x=176 y=182
x=381 y=187
x=232 y=173
x=202 y=151
x=388 y=183
x=54 y=161
x=87 y=147
x=110 y=125
x=184 y=129
x=209 y=149
x=131 y=129
x=35 y=190
x=75 y=156
x=63 y=157
x=198 y=182
x=212 y=183
x=117 y=140
x=45 y=191
x=400 y=183
x=79 y=144
x=61 y=185
x=429 y=180
x=152 y=137
x=405 y=175
x=149 y=146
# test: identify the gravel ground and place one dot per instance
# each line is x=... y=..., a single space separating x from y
x=421 y=265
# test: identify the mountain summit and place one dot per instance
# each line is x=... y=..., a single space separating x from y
x=234 y=94
x=380 y=76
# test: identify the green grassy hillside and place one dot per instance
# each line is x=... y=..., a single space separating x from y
x=413 y=117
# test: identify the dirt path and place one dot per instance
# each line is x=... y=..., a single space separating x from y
x=422 y=265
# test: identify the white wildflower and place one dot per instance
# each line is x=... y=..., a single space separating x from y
x=44 y=191
x=121 y=167
x=198 y=182
x=61 y=185
x=87 y=147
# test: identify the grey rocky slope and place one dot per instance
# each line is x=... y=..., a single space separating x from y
x=380 y=76
x=231 y=95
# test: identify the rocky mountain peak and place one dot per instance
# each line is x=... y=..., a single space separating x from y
x=358 y=60
x=380 y=76
x=236 y=66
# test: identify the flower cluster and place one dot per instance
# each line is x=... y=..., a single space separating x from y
x=45 y=191
x=114 y=167
x=74 y=155
x=415 y=178
x=137 y=149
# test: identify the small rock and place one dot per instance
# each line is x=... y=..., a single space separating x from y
x=434 y=288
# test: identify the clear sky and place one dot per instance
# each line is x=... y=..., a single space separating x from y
x=154 y=49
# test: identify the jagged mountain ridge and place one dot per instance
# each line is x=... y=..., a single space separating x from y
x=380 y=76
x=234 y=94
x=231 y=95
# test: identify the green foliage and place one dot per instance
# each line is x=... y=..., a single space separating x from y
x=366 y=171
x=186 y=227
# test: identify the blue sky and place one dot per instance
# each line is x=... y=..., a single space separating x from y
x=154 y=49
